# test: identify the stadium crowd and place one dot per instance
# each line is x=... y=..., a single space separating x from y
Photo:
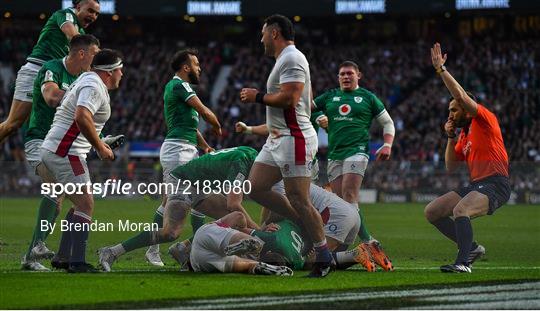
x=503 y=73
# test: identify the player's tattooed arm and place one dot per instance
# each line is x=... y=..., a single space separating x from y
x=287 y=97
x=52 y=94
x=455 y=89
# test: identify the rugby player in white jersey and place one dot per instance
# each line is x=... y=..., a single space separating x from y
x=288 y=155
x=77 y=123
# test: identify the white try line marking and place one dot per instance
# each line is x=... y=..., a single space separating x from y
x=266 y=301
x=174 y=269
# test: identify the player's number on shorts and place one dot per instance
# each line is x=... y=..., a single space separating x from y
x=297 y=241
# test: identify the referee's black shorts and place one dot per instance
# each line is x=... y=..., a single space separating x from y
x=496 y=188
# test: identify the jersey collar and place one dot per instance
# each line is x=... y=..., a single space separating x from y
x=64 y=63
x=177 y=77
x=287 y=48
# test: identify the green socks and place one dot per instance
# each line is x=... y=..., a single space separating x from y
x=364 y=232
x=144 y=238
x=46 y=211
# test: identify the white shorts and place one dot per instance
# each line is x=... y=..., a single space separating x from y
x=182 y=191
x=68 y=169
x=208 y=249
x=32 y=150
x=355 y=164
x=342 y=221
x=24 y=83
x=294 y=156
x=174 y=153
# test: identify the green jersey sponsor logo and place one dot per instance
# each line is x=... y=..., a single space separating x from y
x=350 y=115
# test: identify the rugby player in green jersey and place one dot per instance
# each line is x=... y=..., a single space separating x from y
x=199 y=184
x=182 y=108
x=52 y=81
x=284 y=244
x=222 y=246
x=53 y=43
x=350 y=110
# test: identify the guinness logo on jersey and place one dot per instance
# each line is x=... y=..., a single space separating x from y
x=358 y=99
x=344 y=109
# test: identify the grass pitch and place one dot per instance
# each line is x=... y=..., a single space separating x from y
x=511 y=237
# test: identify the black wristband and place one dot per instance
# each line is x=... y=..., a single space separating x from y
x=451 y=137
x=259 y=98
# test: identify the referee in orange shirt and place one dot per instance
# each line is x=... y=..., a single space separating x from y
x=481 y=145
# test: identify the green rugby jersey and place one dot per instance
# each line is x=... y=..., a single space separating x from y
x=313 y=120
x=182 y=119
x=286 y=241
x=349 y=118
x=225 y=164
x=42 y=115
x=52 y=42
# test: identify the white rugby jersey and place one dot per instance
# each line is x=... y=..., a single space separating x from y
x=291 y=66
x=64 y=137
x=321 y=198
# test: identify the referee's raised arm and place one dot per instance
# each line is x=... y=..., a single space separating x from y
x=457 y=92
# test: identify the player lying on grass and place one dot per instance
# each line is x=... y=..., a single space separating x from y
x=284 y=238
x=221 y=167
x=373 y=247
x=221 y=246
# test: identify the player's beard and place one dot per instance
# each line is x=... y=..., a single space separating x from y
x=463 y=122
x=193 y=78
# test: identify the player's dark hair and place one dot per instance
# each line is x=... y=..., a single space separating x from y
x=471 y=95
x=349 y=63
x=274 y=258
x=181 y=58
x=106 y=57
x=82 y=42
x=283 y=23
x=75 y=2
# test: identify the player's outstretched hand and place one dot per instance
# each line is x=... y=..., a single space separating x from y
x=450 y=128
x=271 y=227
x=437 y=58
x=383 y=153
x=105 y=152
x=248 y=95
